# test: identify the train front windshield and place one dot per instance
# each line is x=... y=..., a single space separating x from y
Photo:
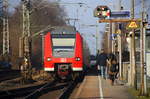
x=63 y=45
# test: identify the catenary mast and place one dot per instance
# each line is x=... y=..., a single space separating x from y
x=5 y=32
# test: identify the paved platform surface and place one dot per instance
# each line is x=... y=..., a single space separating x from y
x=95 y=87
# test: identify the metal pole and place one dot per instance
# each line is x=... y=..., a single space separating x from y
x=145 y=69
x=114 y=39
x=120 y=54
x=132 y=8
x=96 y=36
x=109 y=33
x=6 y=43
x=26 y=27
x=108 y=39
x=120 y=44
x=132 y=55
x=130 y=68
x=143 y=89
x=142 y=59
x=25 y=41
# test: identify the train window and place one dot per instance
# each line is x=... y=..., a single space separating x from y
x=63 y=47
x=63 y=41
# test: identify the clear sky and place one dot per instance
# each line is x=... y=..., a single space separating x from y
x=85 y=15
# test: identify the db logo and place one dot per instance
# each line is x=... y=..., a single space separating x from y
x=63 y=59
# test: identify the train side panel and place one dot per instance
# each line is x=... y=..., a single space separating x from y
x=48 y=66
x=78 y=64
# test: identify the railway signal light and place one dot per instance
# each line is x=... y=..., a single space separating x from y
x=102 y=12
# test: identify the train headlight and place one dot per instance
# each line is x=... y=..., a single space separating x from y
x=77 y=58
x=49 y=59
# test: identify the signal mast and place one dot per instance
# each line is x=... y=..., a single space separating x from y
x=6 y=43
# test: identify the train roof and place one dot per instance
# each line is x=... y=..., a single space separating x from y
x=64 y=30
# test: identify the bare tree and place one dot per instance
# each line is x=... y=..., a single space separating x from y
x=42 y=14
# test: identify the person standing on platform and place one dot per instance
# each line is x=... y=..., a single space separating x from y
x=110 y=57
x=101 y=63
x=113 y=67
x=112 y=71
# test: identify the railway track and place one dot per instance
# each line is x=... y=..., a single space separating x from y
x=9 y=74
x=61 y=90
x=39 y=91
x=68 y=90
x=24 y=92
x=64 y=90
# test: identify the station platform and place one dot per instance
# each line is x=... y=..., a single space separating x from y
x=95 y=87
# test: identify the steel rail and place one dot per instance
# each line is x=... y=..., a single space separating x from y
x=22 y=92
x=40 y=89
x=66 y=92
x=9 y=74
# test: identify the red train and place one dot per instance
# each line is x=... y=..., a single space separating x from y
x=65 y=53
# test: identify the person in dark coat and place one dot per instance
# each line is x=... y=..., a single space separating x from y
x=101 y=63
x=112 y=68
x=112 y=71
